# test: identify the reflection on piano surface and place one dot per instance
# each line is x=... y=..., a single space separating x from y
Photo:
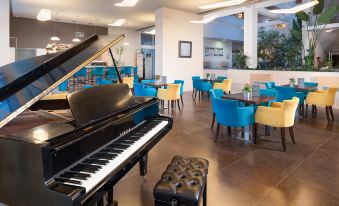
x=57 y=161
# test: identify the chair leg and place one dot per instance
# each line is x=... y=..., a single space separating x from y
x=267 y=131
x=312 y=109
x=291 y=134
x=328 y=114
x=229 y=130
x=255 y=130
x=182 y=101
x=213 y=120
x=283 y=139
x=199 y=95
x=168 y=105
x=331 y=111
x=195 y=94
x=306 y=110
x=229 y=92
x=178 y=104
x=315 y=109
x=218 y=130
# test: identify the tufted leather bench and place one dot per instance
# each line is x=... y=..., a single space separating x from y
x=184 y=183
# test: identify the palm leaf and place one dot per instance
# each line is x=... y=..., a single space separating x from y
x=318 y=9
x=303 y=16
x=327 y=15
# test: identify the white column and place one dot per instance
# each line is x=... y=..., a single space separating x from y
x=4 y=32
x=251 y=35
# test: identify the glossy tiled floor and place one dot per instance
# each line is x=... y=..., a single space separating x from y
x=242 y=173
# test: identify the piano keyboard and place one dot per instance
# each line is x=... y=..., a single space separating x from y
x=89 y=171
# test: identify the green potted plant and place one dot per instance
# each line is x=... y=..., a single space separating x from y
x=247 y=91
x=157 y=78
x=208 y=76
x=292 y=81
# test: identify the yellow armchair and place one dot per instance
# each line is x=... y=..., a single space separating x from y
x=226 y=85
x=171 y=94
x=129 y=81
x=280 y=115
x=322 y=98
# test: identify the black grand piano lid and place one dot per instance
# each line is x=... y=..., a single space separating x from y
x=25 y=82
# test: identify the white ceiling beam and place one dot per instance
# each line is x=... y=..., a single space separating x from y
x=271 y=3
x=328 y=26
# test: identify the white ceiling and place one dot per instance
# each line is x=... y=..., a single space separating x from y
x=102 y=12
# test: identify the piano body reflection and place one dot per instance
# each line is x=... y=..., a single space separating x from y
x=77 y=161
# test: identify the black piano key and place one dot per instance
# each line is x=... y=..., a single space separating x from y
x=106 y=156
x=62 y=180
x=80 y=176
x=119 y=146
x=96 y=161
x=111 y=150
x=123 y=142
x=86 y=168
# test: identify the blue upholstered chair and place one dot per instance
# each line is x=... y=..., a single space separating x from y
x=270 y=85
x=221 y=78
x=101 y=81
x=86 y=86
x=136 y=79
x=181 y=82
x=269 y=93
x=98 y=71
x=141 y=90
x=215 y=94
x=135 y=71
x=127 y=70
x=194 y=82
x=63 y=86
x=147 y=81
x=202 y=86
x=81 y=73
x=287 y=93
x=310 y=84
x=111 y=74
x=230 y=114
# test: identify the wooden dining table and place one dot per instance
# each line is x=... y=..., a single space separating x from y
x=156 y=85
x=301 y=88
x=250 y=100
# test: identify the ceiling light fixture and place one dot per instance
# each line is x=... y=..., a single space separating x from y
x=222 y=4
x=295 y=9
x=118 y=22
x=150 y=32
x=205 y=20
x=44 y=15
x=55 y=37
x=127 y=3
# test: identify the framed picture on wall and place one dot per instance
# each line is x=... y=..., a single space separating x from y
x=185 y=49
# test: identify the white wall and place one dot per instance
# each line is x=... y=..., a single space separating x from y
x=132 y=38
x=4 y=33
x=171 y=26
x=218 y=61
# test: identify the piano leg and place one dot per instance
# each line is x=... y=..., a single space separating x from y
x=143 y=165
x=110 y=197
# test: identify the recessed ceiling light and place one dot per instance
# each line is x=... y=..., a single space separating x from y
x=118 y=22
x=222 y=4
x=44 y=15
x=205 y=20
x=150 y=32
x=127 y=3
x=126 y=43
x=295 y=9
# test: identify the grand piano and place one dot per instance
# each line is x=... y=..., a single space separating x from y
x=73 y=161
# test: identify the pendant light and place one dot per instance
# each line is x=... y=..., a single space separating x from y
x=55 y=37
x=76 y=39
x=44 y=14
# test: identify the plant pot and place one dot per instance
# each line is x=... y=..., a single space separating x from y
x=247 y=95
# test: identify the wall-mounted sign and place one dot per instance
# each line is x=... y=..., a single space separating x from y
x=185 y=49
x=210 y=51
